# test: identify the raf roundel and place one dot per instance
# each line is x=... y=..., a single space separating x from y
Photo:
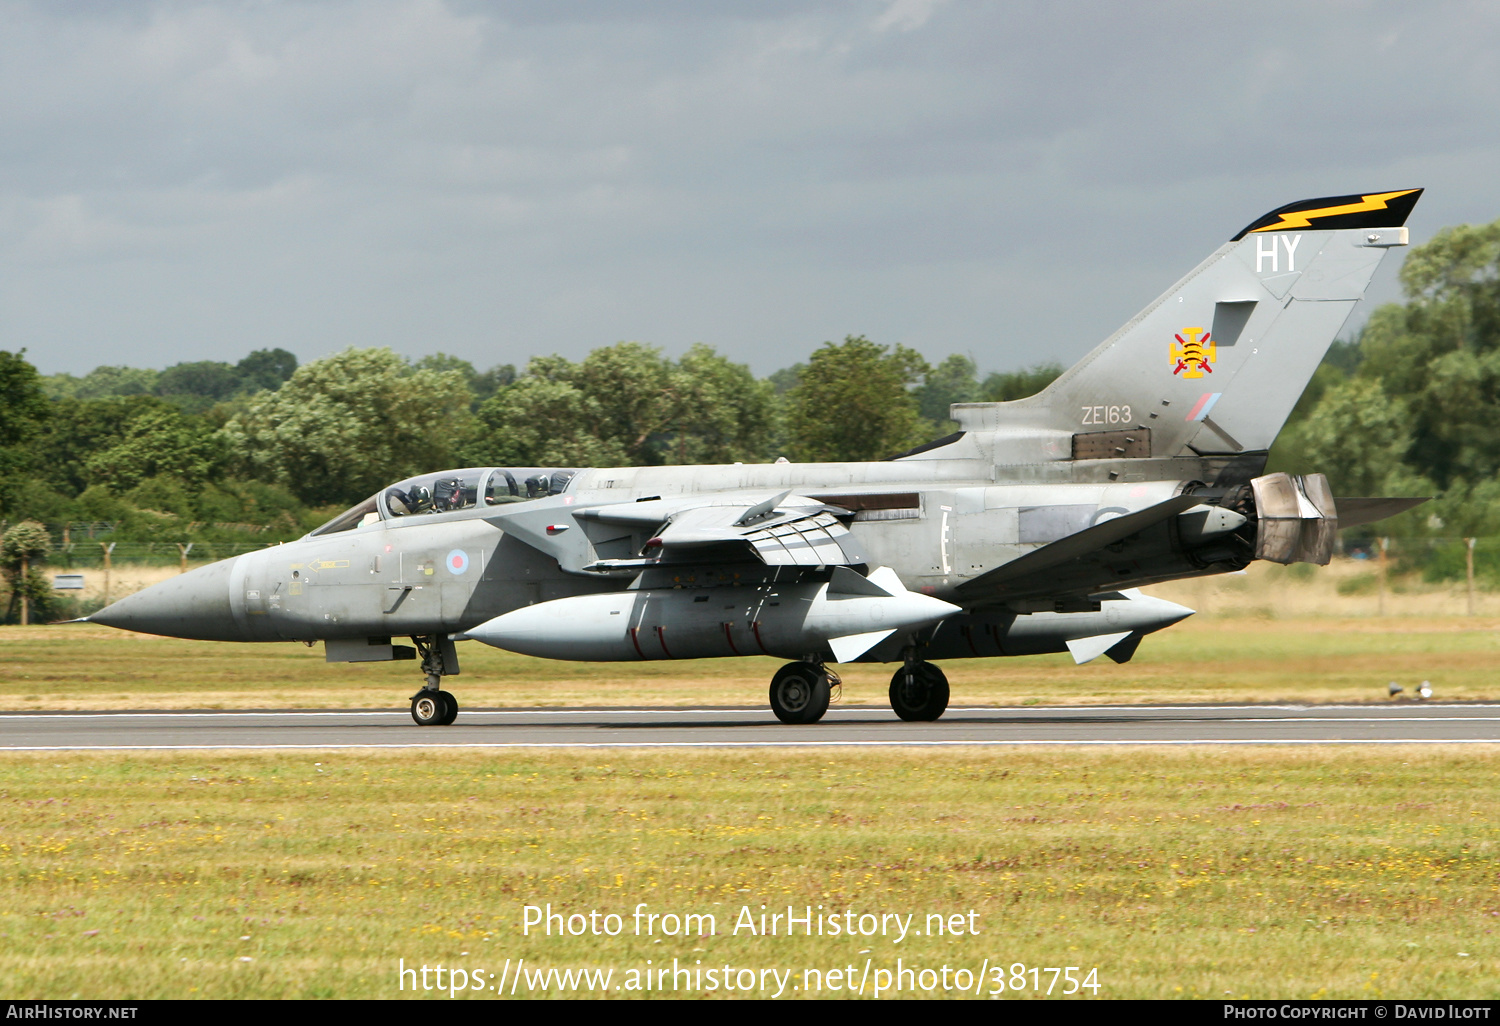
x=458 y=561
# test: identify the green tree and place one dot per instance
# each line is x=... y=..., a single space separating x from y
x=854 y=401
x=22 y=550
x=443 y=363
x=952 y=381
x=542 y=421
x=784 y=380
x=612 y=408
x=1357 y=436
x=117 y=442
x=24 y=413
x=104 y=382
x=639 y=396
x=725 y=414
x=481 y=384
x=1008 y=386
x=211 y=379
x=265 y=370
x=487 y=383
x=155 y=442
x=344 y=426
x=627 y=404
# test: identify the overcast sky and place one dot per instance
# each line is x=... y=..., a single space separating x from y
x=185 y=181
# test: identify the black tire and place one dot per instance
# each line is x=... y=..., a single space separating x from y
x=922 y=698
x=452 y=713
x=429 y=708
x=799 y=693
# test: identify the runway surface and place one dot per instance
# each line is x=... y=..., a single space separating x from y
x=718 y=727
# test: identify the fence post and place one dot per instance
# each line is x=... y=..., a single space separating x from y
x=1383 y=543
x=1469 y=569
x=108 y=547
x=25 y=601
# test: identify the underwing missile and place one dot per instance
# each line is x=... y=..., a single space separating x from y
x=845 y=617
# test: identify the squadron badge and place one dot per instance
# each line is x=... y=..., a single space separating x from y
x=1194 y=354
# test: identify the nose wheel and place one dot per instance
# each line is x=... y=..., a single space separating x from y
x=433 y=708
x=919 y=691
x=800 y=693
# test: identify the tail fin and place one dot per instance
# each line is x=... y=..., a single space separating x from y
x=1215 y=365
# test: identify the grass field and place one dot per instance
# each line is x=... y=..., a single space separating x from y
x=1266 y=872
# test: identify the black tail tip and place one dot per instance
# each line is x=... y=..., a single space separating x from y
x=1363 y=210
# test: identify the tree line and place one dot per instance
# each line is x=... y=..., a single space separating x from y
x=213 y=451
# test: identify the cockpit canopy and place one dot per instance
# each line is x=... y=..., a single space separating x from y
x=450 y=490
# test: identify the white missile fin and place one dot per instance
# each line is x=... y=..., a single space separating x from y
x=1084 y=649
x=887 y=579
x=852 y=646
x=846 y=582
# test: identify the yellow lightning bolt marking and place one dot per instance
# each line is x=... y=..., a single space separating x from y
x=1301 y=218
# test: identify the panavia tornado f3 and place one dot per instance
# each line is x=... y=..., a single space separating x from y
x=1028 y=530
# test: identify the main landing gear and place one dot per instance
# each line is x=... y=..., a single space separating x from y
x=800 y=692
x=432 y=706
x=919 y=691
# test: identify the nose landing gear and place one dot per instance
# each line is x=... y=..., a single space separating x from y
x=432 y=706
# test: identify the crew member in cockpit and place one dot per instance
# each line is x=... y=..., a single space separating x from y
x=401 y=502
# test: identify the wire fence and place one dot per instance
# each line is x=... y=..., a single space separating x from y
x=84 y=555
x=81 y=544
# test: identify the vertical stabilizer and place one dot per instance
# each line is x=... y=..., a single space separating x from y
x=1215 y=365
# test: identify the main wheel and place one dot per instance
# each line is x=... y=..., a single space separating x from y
x=452 y=713
x=799 y=693
x=431 y=709
x=920 y=693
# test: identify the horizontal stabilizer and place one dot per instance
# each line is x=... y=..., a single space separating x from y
x=1084 y=649
x=1354 y=512
x=1090 y=539
x=851 y=646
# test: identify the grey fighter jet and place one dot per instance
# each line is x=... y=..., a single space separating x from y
x=1028 y=530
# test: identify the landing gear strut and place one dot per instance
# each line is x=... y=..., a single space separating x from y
x=432 y=706
x=800 y=692
x=919 y=691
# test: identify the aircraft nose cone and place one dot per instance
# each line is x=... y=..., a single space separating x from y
x=191 y=605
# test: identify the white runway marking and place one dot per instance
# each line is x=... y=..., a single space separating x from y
x=763 y=744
